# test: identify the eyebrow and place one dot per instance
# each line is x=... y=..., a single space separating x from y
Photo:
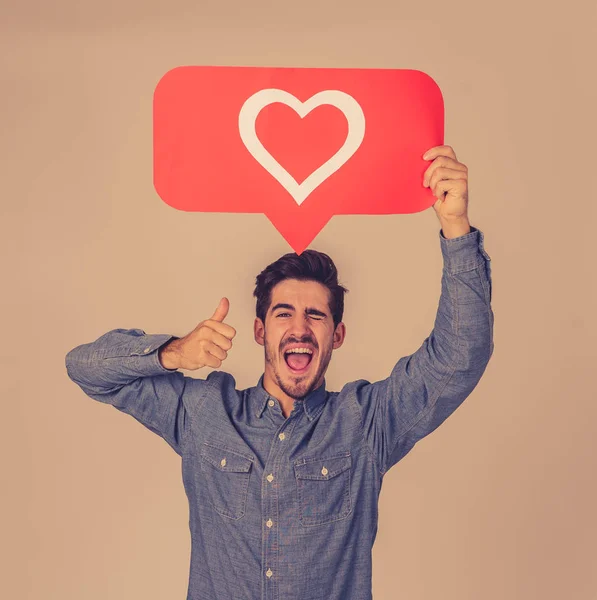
x=309 y=311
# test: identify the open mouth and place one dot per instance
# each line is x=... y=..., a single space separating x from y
x=298 y=362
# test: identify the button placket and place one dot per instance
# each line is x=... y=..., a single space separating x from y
x=270 y=505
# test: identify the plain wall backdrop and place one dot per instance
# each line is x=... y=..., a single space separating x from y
x=499 y=502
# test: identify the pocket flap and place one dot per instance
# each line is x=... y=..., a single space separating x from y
x=322 y=468
x=225 y=459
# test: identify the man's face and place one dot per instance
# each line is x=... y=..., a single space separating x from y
x=298 y=317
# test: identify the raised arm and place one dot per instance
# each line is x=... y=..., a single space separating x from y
x=426 y=387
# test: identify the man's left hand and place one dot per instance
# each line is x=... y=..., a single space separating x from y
x=448 y=180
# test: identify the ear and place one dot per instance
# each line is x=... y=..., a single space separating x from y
x=339 y=335
x=259 y=331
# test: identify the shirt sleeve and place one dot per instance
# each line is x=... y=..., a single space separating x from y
x=122 y=368
x=424 y=388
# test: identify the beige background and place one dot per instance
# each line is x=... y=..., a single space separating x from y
x=499 y=503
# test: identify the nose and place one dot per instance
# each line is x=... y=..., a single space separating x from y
x=299 y=327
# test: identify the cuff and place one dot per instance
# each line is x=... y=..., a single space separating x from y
x=155 y=346
x=147 y=346
x=463 y=253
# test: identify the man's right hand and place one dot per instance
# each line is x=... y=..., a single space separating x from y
x=206 y=346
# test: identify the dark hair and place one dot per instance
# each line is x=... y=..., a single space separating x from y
x=310 y=265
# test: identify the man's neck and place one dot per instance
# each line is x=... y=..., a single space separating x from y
x=286 y=402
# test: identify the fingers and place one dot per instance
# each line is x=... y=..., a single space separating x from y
x=439 y=151
x=222 y=310
x=209 y=342
x=442 y=173
x=442 y=156
x=206 y=332
x=219 y=315
x=215 y=351
x=222 y=328
x=458 y=188
x=206 y=348
x=209 y=360
x=444 y=168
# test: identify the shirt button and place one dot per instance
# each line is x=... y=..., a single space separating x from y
x=282 y=436
x=269 y=573
x=147 y=350
x=223 y=463
x=270 y=477
x=271 y=402
x=324 y=471
x=269 y=523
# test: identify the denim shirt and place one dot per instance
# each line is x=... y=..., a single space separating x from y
x=287 y=508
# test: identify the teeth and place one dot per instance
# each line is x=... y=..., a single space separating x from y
x=300 y=351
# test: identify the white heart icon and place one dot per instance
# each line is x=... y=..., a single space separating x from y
x=341 y=100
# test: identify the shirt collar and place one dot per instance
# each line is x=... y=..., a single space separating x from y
x=311 y=403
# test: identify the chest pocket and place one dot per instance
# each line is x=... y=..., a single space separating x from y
x=227 y=474
x=323 y=488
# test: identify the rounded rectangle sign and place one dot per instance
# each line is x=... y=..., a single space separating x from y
x=297 y=144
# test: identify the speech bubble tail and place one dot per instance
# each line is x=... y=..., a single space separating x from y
x=300 y=228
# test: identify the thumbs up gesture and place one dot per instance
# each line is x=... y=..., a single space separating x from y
x=206 y=346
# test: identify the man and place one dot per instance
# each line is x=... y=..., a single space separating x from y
x=283 y=478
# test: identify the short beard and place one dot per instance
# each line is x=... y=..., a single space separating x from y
x=289 y=392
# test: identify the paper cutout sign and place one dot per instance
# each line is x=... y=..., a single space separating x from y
x=299 y=145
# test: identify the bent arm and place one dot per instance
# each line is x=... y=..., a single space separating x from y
x=122 y=368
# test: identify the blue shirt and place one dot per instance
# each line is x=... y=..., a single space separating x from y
x=287 y=508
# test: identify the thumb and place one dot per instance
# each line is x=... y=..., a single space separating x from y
x=222 y=310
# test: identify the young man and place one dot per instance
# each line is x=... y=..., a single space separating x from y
x=283 y=478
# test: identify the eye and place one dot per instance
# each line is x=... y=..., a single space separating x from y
x=282 y=314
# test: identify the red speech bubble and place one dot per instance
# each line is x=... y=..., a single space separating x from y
x=299 y=145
